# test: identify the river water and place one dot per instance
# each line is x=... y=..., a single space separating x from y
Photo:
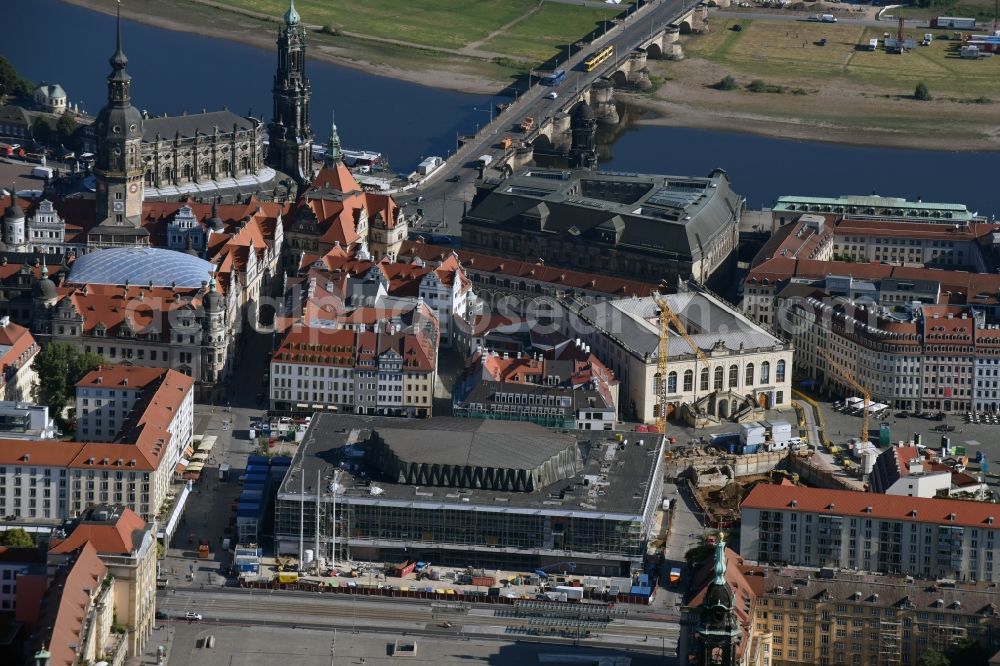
x=175 y=71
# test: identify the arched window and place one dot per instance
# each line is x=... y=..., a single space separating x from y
x=689 y=380
x=167 y=174
x=186 y=172
x=779 y=371
x=224 y=168
x=149 y=178
x=244 y=164
x=765 y=372
x=704 y=379
x=672 y=382
x=718 y=378
x=734 y=376
x=749 y=375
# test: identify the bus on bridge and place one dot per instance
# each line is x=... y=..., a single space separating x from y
x=555 y=78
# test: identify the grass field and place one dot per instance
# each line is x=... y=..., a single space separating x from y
x=787 y=53
x=449 y=24
x=543 y=34
x=981 y=10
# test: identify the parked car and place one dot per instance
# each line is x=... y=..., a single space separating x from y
x=454 y=179
x=192 y=617
x=161 y=615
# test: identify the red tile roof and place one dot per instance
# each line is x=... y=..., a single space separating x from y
x=144 y=437
x=22 y=348
x=485 y=263
x=885 y=507
x=118 y=538
x=68 y=603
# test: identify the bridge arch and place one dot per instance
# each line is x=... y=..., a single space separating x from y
x=686 y=27
x=542 y=142
x=619 y=78
x=654 y=51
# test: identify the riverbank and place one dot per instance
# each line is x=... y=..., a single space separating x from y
x=825 y=109
x=426 y=67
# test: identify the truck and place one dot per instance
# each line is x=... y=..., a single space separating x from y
x=828 y=18
x=204 y=552
x=956 y=22
x=420 y=567
x=485 y=160
x=224 y=472
x=405 y=569
x=675 y=575
x=41 y=172
x=572 y=593
x=873 y=44
x=555 y=78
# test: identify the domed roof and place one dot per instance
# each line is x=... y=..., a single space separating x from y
x=52 y=90
x=582 y=111
x=44 y=289
x=140 y=265
x=14 y=211
x=291 y=16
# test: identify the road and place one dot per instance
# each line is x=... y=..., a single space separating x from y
x=443 y=201
x=638 y=630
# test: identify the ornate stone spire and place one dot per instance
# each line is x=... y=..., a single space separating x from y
x=118 y=60
x=333 y=152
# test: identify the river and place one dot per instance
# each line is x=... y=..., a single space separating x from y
x=175 y=71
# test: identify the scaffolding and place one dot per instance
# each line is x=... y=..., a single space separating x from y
x=891 y=640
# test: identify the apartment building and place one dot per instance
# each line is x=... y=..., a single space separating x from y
x=891 y=534
x=568 y=387
x=126 y=545
x=54 y=480
x=382 y=371
x=17 y=351
x=832 y=616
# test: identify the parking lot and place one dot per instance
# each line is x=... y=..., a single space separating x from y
x=974 y=437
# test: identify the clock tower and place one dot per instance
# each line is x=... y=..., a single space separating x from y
x=118 y=166
x=718 y=630
x=290 y=136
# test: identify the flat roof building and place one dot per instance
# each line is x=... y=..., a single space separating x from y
x=470 y=492
x=641 y=226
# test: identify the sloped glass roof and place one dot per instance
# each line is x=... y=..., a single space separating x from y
x=140 y=266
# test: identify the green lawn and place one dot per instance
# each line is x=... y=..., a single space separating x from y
x=783 y=52
x=442 y=23
x=546 y=33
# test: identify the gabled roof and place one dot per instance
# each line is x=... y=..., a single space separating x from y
x=122 y=534
x=68 y=604
x=886 y=507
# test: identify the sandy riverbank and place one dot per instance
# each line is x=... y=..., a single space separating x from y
x=671 y=114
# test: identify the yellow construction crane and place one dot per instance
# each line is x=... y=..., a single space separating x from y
x=666 y=318
x=865 y=393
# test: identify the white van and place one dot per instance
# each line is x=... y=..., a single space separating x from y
x=828 y=18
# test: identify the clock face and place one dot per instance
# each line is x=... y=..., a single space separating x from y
x=133 y=188
x=119 y=206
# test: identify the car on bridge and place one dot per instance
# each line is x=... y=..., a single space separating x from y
x=553 y=95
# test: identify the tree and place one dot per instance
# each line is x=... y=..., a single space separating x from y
x=59 y=367
x=11 y=83
x=41 y=130
x=933 y=658
x=698 y=555
x=66 y=128
x=16 y=538
x=921 y=92
x=968 y=652
x=727 y=83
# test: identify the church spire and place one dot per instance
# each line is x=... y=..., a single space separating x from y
x=720 y=562
x=333 y=152
x=119 y=81
x=118 y=60
x=292 y=16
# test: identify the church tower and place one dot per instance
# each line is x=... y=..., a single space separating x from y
x=289 y=133
x=118 y=168
x=718 y=627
